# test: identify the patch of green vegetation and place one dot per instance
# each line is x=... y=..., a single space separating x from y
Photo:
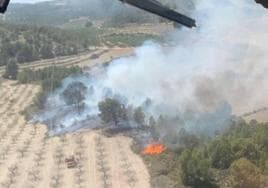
x=237 y=158
x=85 y=35
x=164 y=167
x=11 y=71
x=61 y=12
x=130 y=39
x=25 y=43
x=78 y=23
x=120 y=19
x=49 y=78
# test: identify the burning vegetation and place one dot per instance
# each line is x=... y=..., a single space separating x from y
x=154 y=149
x=164 y=99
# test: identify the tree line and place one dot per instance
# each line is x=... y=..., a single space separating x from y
x=115 y=113
x=236 y=158
x=240 y=155
x=49 y=79
x=26 y=43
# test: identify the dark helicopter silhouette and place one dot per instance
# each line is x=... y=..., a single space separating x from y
x=263 y=2
x=3 y=5
x=152 y=6
x=157 y=8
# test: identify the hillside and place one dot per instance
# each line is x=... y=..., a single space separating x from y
x=62 y=11
x=98 y=94
x=27 y=43
x=114 y=12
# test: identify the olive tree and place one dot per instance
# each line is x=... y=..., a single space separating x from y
x=139 y=116
x=112 y=111
x=74 y=94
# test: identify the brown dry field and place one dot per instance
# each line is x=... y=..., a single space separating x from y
x=260 y=117
x=158 y=29
x=30 y=158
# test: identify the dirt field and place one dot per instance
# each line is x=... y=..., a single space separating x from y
x=260 y=117
x=29 y=158
x=158 y=29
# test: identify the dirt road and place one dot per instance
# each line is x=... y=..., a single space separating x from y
x=92 y=57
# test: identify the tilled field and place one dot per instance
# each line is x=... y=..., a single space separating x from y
x=30 y=158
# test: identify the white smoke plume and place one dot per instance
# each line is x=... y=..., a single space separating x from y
x=213 y=71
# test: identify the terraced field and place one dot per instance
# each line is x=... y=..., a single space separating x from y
x=92 y=57
x=157 y=29
x=30 y=158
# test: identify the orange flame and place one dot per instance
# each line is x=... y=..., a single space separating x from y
x=154 y=149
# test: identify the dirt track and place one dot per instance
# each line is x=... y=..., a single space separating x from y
x=92 y=57
x=29 y=158
x=157 y=29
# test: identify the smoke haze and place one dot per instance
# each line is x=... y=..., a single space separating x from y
x=213 y=71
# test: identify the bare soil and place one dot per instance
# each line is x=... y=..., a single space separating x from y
x=29 y=158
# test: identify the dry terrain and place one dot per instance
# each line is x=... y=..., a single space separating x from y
x=261 y=116
x=90 y=58
x=30 y=158
x=158 y=29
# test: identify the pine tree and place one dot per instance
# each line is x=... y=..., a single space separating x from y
x=11 y=70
